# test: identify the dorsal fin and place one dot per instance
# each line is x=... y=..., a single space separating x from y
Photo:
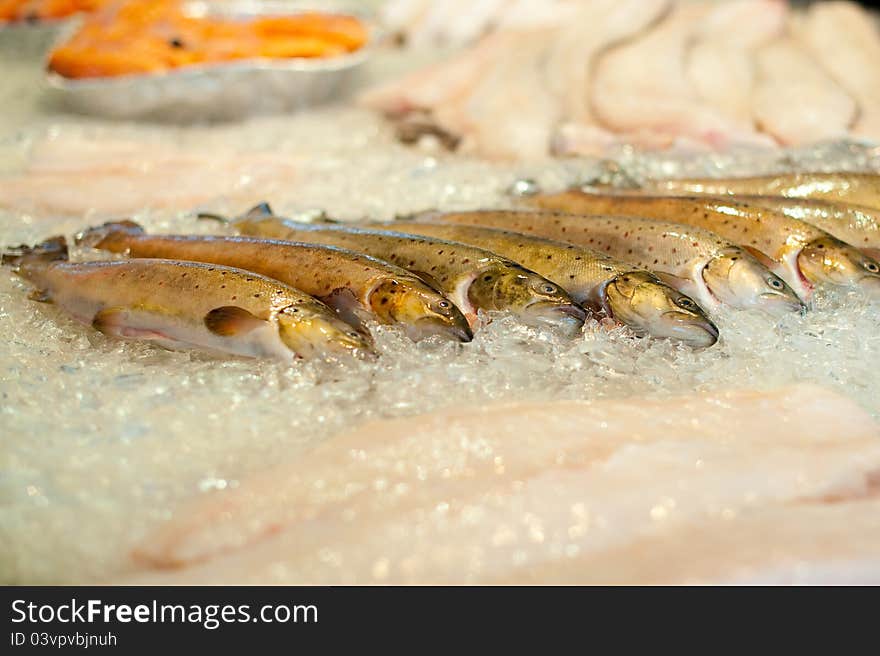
x=260 y=210
x=51 y=250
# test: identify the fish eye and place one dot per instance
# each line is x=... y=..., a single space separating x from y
x=872 y=267
x=686 y=303
x=548 y=288
x=445 y=305
x=775 y=283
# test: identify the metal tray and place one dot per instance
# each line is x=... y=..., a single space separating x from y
x=223 y=91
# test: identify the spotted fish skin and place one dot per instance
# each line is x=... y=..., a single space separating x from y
x=698 y=262
x=802 y=254
x=854 y=224
x=856 y=188
x=579 y=270
x=191 y=305
x=592 y=278
x=472 y=278
x=357 y=286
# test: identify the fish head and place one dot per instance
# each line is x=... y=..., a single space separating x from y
x=536 y=300
x=829 y=260
x=737 y=279
x=650 y=307
x=421 y=311
x=311 y=331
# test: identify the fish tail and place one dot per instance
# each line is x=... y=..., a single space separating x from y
x=21 y=258
x=94 y=237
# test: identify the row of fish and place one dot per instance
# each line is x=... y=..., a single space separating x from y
x=658 y=263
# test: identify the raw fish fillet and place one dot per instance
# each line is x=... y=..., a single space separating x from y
x=598 y=26
x=520 y=492
x=426 y=23
x=511 y=113
x=104 y=178
x=845 y=39
x=798 y=543
x=643 y=86
x=795 y=100
x=506 y=96
x=431 y=87
x=720 y=62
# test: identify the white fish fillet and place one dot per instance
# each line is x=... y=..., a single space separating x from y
x=428 y=23
x=507 y=96
x=73 y=175
x=511 y=113
x=720 y=63
x=642 y=86
x=845 y=39
x=507 y=492
x=795 y=100
x=798 y=543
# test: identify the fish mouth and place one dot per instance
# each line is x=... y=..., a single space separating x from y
x=694 y=331
x=431 y=327
x=779 y=304
x=568 y=317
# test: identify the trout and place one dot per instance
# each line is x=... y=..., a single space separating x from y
x=186 y=304
x=632 y=296
x=357 y=286
x=472 y=278
x=696 y=262
x=802 y=254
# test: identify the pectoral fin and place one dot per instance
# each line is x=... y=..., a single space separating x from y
x=347 y=306
x=763 y=258
x=676 y=282
x=428 y=279
x=229 y=320
x=40 y=296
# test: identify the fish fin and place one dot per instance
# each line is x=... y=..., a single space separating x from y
x=260 y=210
x=213 y=217
x=322 y=218
x=39 y=296
x=51 y=250
x=95 y=236
x=231 y=320
x=762 y=258
x=676 y=282
x=346 y=305
x=428 y=279
x=422 y=216
x=109 y=320
x=131 y=323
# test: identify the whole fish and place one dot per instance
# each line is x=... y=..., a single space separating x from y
x=856 y=188
x=357 y=286
x=855 y=224
x=697 y=262
x=593 y=279
x=186 y=304
x=470 y=277
x=802 y=254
